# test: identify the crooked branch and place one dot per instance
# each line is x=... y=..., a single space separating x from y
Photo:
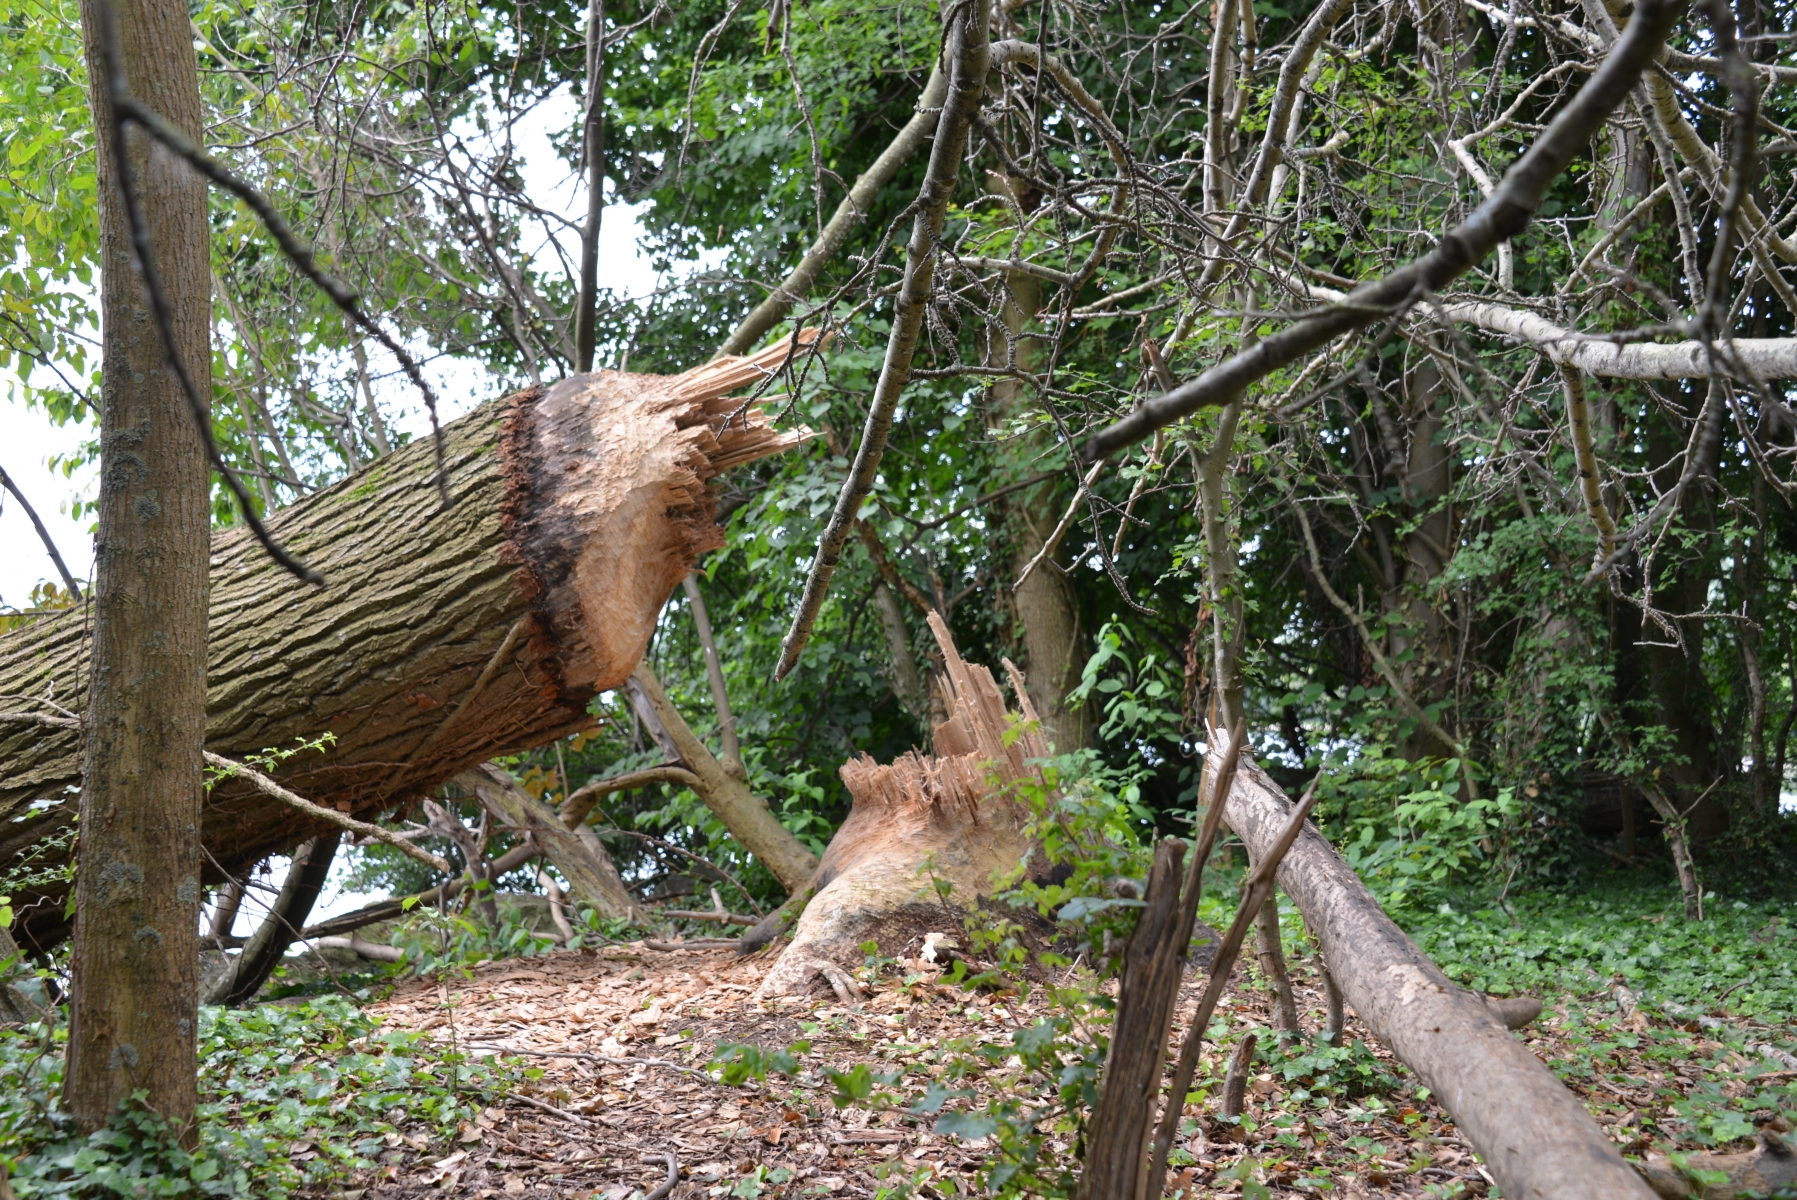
x=1504 y=215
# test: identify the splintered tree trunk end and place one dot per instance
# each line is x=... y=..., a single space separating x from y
x=441 y=637
x=926 y=836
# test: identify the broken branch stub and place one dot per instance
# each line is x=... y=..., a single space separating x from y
x=578 y=509
x=926 y=835
x=1537 y=1139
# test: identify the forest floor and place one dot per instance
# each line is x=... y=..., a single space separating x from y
x=1341 y=1122
x=552 y=1075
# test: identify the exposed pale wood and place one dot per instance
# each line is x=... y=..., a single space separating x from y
x=577 y=509
x=941 y=809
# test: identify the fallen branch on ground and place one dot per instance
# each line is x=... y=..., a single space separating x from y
x=1536 y=1137
x=369 y=950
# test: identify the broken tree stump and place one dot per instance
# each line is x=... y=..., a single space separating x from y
x=923 y=820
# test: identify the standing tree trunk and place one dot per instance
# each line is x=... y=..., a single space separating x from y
x=135 y=968
x=586 y=302
x=441 y=638
x=1044 y=602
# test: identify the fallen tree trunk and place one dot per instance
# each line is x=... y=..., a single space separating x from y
x=926 y=836
x=1536 y=1137
x=441 y=637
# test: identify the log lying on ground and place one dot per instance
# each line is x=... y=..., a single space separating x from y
x=441 y=638
x=941 y=810
x=1535 y=1136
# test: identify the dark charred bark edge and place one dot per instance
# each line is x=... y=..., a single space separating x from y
x=542 y=561
x=1537 y=1139
x=305 y=880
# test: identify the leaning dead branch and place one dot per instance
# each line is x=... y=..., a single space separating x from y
x=967 y=49
x=849 y=214
x=319 y=812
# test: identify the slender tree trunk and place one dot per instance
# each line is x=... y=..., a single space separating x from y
x=1228 y=614
x=1045 y=604
x=732 y=751
x=586 y=305
x=224 y=910
x=907 y=681
x=1272 y=965
x=135 y=968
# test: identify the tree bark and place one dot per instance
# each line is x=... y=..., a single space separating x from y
x=1535 y=1136
x=441 y=638
x=299 y=892
x=135 y=966
x=934 y=825
x=1272 y=964
x=1148 y=989
x=1235 y=1079
x=592 y=876
x=1043 y=599
x=907 y=681
x=732 y=756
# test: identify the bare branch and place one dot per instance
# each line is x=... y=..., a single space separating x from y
x=968 y=55
x=1504 y=215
